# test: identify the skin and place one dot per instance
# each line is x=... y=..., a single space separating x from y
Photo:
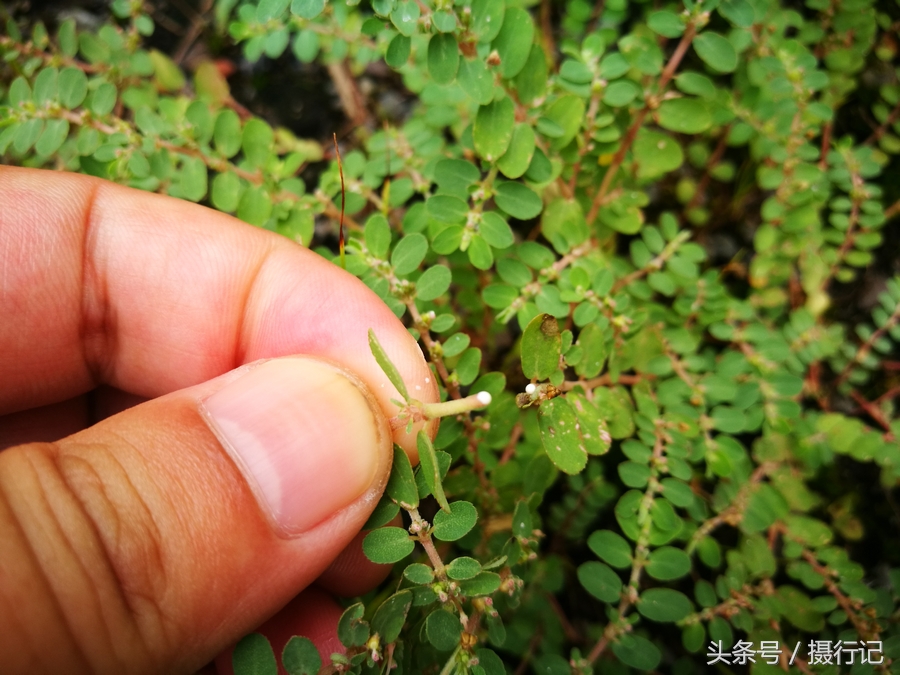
x=131 y=542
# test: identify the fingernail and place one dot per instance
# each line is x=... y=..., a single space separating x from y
x=303 y=435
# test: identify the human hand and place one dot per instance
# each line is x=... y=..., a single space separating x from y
x=138 y=542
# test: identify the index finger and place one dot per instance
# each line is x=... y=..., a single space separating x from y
x=105 y=284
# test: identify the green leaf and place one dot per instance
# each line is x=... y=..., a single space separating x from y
x=611 y=547
x=633 y=474
x=531 y=82
x=409 y=253
x=253 y=655
x=693 y=636
x=46 y=86
x=227 y=133
x=808 y=531
x=664 y=605
x=383 y=513
x=138 y=164
x=518 y=200
x=67 y=38
x=419 y=573
x=405 y=17
x=19 y=92
x=738 y=12
x=709 y=552
x=495 y=230
x=487 y=18
x=307 y=9
x=476 y=80
x=678 y=492
x=464 y=568
x=398 y=51
x=300 y=657
x=637 y=651
x=600 y=581
x=541 y=347
x=443 y=630
x=433 y=283
x=456 y=344
x=575 y=72
x=377 y=235
x=595 y=436
x=617 y=409
x=696 y=84
x=620 y=93
x=593 y=342
x=522 y=525
x=271 y=9
x=564 y=225
x=72 y=87
x=431 y=470
x=226 y=192
x=103 y=100
x=568 y=113
x=167 y=75
x=456 y=174
x=257 y=141
x=194 y=180
x=716 y=52
x=306 y=45
x=624 y=219
x=447 y=209
x=444 y=21
x=387 y=365
x=479 y=253
x=443 y=58
x=499 y=296
x=88 y=141
x=517 y=158
x=255 y=206
x=728 y=419
x=352 y=630
x=764 y=507
x=483 y=584
x=468 y=366
x=401 y=485
x=391 y=615
x=666 y=23
x=513 y=42
x=799 y=609
x=656 y=154
x=455 y=524
x=387 y=545
x=54 y=134
x=493 y=128
x=668 y=563
x=560 y=436
x=684 y=115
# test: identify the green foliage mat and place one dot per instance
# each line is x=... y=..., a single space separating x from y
x=631 y=225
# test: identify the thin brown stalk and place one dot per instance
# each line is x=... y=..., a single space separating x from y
x=826 y=146
x=888 y=122
x=714 y=159
x=664 y=79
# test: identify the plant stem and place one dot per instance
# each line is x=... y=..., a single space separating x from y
x=866 y=346
x=619 y=157
x=655 y=264
x=457 y=406
x=879 y=132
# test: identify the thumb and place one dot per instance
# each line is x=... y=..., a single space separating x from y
x=150 y=541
